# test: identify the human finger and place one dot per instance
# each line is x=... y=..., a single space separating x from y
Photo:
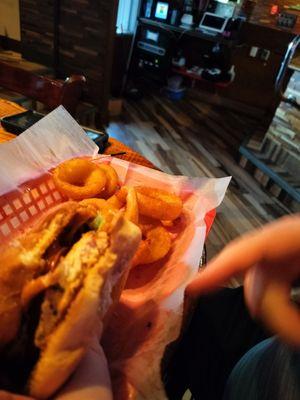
x=267 y=294
x=276 y=242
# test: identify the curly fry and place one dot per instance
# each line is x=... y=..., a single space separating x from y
x=112 y=181
x=156 y=246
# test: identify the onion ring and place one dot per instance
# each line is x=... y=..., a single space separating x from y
x=112 y=180
x=115 y=202
x=158 y=204
x=156 y=246
x=132 y=210
x=79 y=179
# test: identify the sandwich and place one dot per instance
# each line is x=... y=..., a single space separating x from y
x=58 y=281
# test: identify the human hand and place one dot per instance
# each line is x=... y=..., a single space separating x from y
x=269 y=258
x=90 y=381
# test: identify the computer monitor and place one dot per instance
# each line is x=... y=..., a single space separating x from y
x=162 y=10
x=213 y=23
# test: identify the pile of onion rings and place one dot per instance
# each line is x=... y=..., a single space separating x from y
x=153 y=210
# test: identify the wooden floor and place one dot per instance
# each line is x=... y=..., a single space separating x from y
x=200 y=138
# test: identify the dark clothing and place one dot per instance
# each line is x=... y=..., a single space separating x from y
x=220 y=333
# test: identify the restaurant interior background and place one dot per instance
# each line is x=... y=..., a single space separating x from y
x=200 y=88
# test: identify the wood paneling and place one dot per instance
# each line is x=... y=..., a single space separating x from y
x=86 y=44
x=37 y=30
x=85 y=40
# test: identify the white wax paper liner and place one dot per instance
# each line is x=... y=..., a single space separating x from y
x=58 y=137
x=51 y=140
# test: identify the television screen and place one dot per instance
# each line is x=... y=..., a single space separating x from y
x=162 y=9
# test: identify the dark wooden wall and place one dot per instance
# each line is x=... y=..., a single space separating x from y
x=73 y=36
x=37 y=30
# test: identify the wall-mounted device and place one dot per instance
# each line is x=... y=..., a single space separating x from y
x=213 y=24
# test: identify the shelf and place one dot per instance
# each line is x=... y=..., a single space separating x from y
x=192 y=32
x=196 y=77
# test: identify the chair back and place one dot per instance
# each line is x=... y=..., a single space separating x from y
x=50 y=92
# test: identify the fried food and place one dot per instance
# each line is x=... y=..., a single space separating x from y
x=106 y=212
x=158 y=204
x=99 y=204
x=153 y=210
x=132 y=210
x=112 y=181
x=167 y=224
x=156 y=246
x=122 y=194
x=147 y=223
x=79 y=179
x=157 y=210
x=127 y=196
x=54 y=287
x=115 y=202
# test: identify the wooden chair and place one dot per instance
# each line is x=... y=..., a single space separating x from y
x=50 y=92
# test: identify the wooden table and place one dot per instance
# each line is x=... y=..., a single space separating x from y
x=9 y=108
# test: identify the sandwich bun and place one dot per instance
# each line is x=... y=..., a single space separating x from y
x=91 y=276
